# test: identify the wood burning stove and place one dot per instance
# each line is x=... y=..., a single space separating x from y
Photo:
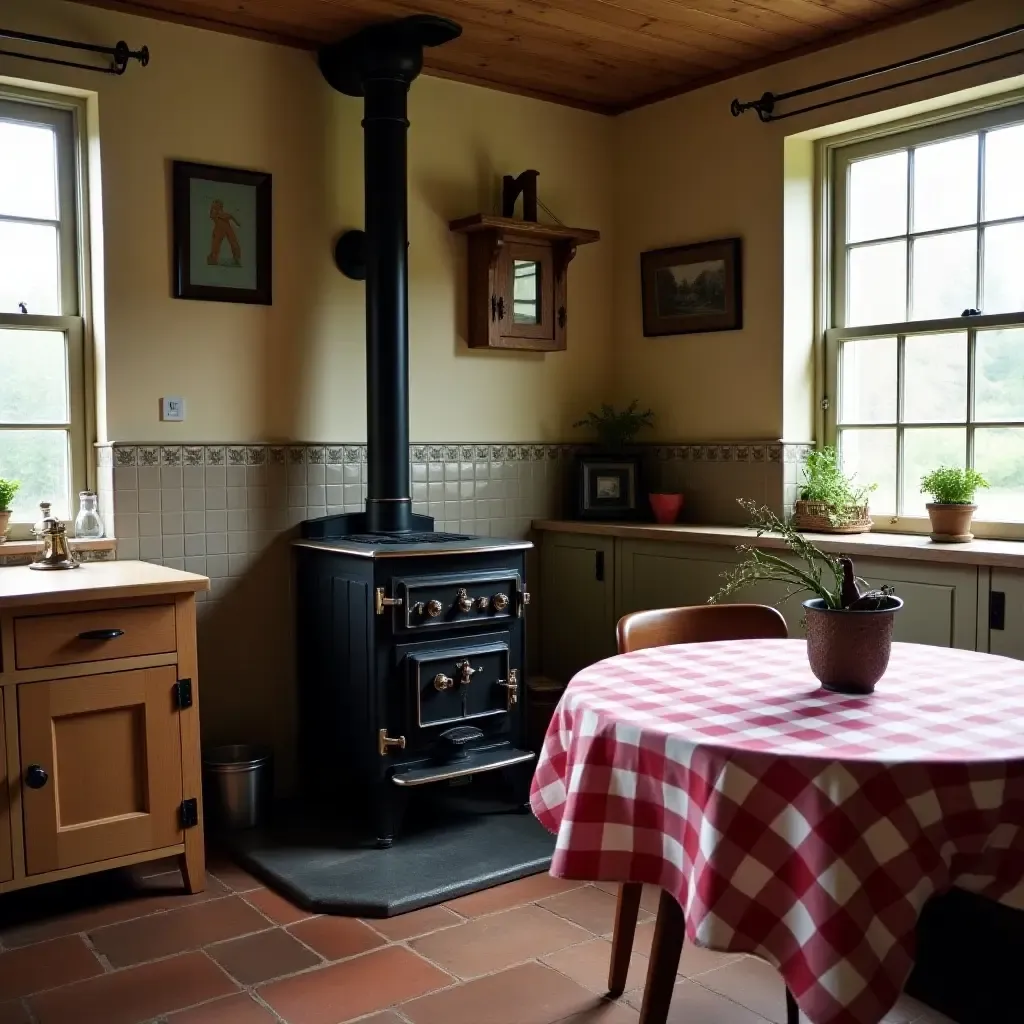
x=411 y=642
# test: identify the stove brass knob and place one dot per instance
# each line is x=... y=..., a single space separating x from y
x=434 y=608
x=499 y=602
x=443 y=682
x=483 y=603
x=463 y=601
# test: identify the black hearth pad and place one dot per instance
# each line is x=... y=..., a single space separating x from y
x=323 y=869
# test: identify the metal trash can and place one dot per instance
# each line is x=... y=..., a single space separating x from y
x=238 y=783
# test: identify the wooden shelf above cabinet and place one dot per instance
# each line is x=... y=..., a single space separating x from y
x=518 y=281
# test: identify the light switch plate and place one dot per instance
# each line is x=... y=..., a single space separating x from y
x=172 y=409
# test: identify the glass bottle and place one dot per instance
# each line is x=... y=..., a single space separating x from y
x=88 y=523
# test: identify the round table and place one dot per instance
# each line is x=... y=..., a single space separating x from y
x=803 y=826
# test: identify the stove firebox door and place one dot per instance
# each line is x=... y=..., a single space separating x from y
x=459 y=684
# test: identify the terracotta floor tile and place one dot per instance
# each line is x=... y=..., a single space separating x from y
x=648 y=901
x=752 y=983
x=605 y=1012
x=239 y=1009
x=14 y=1013
x=359 y=986
x=235 y=878
x=335 y=938
x=589 y=907
x=587 y=965
x=692 y=1004
x=149 y=868
x=528 y=994
x=261 y=957
x=387 y=1017
x=419 y=922
x=499 y=940
x=176 y=931
x=106 y=902
x=276 y=907
x=695 y=959
x=46 y=965
x=513 y=894
x=136 y=994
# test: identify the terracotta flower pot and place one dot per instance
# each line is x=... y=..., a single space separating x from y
x=5 y=518
x=951 y=524
x=849 y=650
x=666 y=507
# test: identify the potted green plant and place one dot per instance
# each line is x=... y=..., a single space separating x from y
x=8 y=489
x=830 y=501
x=952 y=506
x=849 y=627
x=616 y=429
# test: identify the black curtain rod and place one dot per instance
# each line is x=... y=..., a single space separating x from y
x=765 y=104
x=120 y=54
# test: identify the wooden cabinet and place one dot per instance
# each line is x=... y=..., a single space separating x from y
x=1005 y=619
x=100 y=708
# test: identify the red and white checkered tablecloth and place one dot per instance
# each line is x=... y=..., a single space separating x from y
x=806 y=827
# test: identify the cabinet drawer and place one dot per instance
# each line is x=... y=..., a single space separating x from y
x=70 y=638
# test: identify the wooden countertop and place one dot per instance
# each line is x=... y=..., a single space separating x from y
x=911 y=547
x=21 y=586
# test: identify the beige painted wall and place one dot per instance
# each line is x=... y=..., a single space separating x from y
x=687 y=171
x=295 y=370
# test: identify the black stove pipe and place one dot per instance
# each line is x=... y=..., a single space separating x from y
x=379 y=63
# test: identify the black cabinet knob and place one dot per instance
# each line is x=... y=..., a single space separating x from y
x=36 y=776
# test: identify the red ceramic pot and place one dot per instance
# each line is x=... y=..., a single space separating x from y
x=666 y=507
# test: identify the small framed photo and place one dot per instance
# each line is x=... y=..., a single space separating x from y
x=692 y=289
x=607 y=487
x=222 y=234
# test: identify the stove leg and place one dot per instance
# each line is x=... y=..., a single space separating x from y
x=387 y=814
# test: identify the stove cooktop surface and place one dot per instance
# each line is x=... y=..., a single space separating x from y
x=406 y=538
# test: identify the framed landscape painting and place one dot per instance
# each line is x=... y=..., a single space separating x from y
x=692 y=289
x=222 y=234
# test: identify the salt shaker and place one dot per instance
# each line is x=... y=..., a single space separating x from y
x=88 y=523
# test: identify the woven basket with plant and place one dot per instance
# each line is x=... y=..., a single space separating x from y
x=830 y=502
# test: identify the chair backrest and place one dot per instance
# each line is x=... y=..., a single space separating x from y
x=697 y=623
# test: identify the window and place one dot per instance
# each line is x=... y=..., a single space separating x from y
x=925 y=346
x=42 y=389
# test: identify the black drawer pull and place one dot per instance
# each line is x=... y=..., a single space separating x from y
x=35 y=776
x=101 y=634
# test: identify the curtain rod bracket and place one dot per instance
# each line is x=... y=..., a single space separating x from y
x=120 y=54
x=764 y=106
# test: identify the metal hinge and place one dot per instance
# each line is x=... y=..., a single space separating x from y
x=189 y=813
x=381 y=602
x=825 y=403
x=182 y=694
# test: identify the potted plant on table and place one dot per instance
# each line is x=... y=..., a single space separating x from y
x=830 y=501
x=8 y=489
x=952 y=506
x=849 y=627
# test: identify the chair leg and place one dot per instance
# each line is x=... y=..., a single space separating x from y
x=792 y=1010
x=627 y=910
x=669 y=930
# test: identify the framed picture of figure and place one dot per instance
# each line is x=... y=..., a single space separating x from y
x=222 y=234
x=692 y=289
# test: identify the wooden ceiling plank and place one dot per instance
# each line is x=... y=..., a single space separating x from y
x=808 y=12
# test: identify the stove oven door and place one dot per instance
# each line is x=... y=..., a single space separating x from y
x=463 y=683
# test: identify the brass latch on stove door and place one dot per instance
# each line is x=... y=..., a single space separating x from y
x=386 y=742
x=511 y=686
x=381 y=602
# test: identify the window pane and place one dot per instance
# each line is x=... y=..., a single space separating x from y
x=1004 y=182
x=877 y=284
x=935 y=378
x=39 y=459
x=924 y=450
x=1003 y=286
x=870 y=455
x=526 y=300
x=999 y=457
x=946 y=184
x=28 y=171
x=877 y=197
x=945 y=275
x=868 y=381
x=999 y=375
x=28 y=268
x=34 y=377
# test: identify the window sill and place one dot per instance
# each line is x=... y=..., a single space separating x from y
x=16 y=549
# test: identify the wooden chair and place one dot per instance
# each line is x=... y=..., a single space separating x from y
x=658 y=628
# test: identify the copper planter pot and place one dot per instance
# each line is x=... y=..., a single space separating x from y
x=951 y=524
x=849 y=650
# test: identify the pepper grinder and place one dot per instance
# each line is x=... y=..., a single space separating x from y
x=56 y=550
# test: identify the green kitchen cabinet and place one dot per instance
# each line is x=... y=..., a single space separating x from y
x=577 y=602
x=1006 y=613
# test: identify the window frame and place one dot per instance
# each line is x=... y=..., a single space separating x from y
x=66 y=116
x=834 y=158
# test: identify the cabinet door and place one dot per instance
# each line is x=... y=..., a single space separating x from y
x=1009 y=639
x=101 y=767
x=6 y=860
x=577 y=603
